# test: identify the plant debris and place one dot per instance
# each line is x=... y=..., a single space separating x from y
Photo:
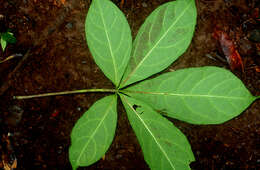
x=228 y=48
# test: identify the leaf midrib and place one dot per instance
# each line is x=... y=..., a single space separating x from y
x=147 y=128
x=155 y=45
x=185 y=95
x=109 y=44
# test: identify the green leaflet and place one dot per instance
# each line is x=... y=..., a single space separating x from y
x=93 y=133
x=109 y=38
x=163 y=37
x=3 y=43
x=164 y=146
x=8 y=37
x=205 y=95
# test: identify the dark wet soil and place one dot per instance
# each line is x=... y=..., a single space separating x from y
x=50 y=36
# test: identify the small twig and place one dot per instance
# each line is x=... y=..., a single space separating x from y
x=7 y=83
x=210 y=56
x=11 y=57
x=216 y=56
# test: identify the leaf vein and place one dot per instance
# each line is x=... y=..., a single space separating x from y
x=92 y=135
x=156 y=44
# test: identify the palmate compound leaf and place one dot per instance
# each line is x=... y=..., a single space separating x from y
x=109 y=38
x=163 y=37
x=205 y=95
x=93 y=133
x=164 y=146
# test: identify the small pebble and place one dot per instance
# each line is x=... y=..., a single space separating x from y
x=10 y=134
x=79 y=108
x=118 y=156
x=144 y=4
x=14 y=116
x=69 y=25
x=59 y=151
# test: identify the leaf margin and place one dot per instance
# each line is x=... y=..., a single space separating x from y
x=118 y=66
x=189 y=157
x=142 y=94
x=127 y=76
x=85 y=118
